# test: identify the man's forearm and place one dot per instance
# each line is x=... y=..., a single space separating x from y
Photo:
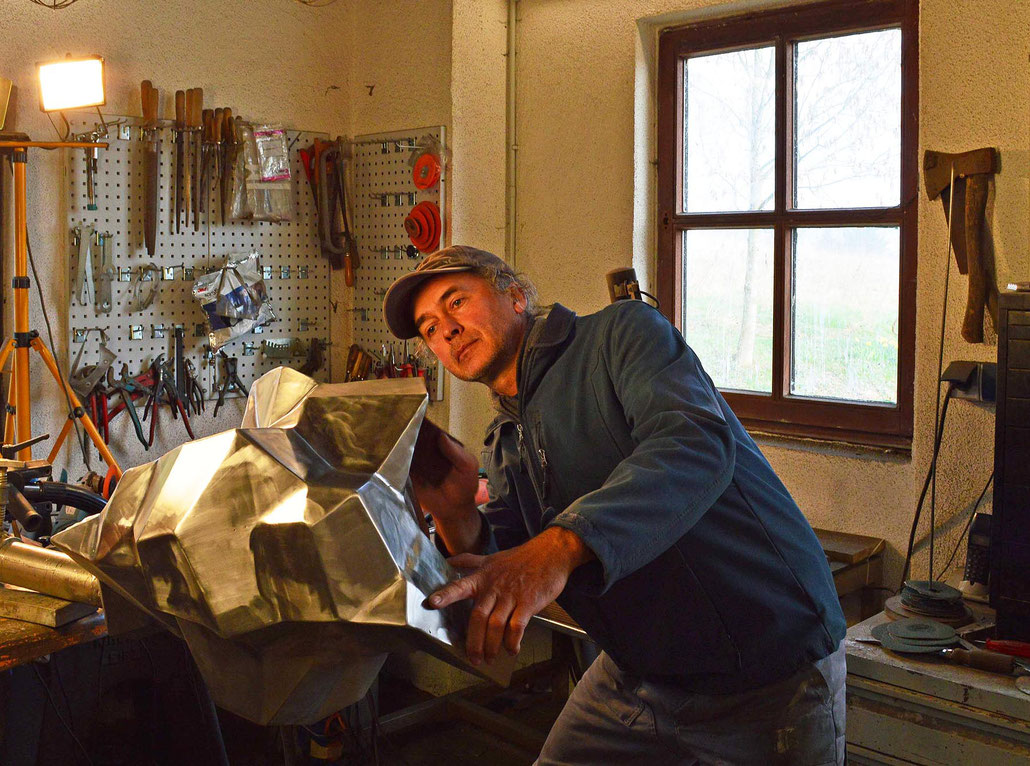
x=461 y=532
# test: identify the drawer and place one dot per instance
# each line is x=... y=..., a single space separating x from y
x=1017 y=383
x=1019 y=352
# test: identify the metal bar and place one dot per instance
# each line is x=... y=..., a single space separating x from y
x=47 y=571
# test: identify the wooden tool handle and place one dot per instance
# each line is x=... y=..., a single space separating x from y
x=180 y=109
x=217 y=125
x=208 y=119
x=154 y=106
x=198 y=107
x=144 y=97
x=228 y=126
x=989 y=661
x=976 y=204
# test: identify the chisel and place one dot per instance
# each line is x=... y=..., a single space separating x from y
x=198 y=141
x=151 y=105
x=180 y=127
x=228 y=157
x=187 y=173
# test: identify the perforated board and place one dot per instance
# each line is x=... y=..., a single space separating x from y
x=381 y=172
x=298 y=284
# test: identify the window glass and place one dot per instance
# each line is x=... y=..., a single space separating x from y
x=729 y=119
x=845 y=313
x=847 y=107
x=727 y=306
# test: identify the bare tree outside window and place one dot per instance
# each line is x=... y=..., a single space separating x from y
x=846 y=154
x=786 y=199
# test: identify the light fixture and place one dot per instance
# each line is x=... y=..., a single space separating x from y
x=71 y=84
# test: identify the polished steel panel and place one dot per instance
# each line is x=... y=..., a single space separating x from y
x=287 y=553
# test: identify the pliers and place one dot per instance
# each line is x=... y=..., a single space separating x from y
x=195 y=392
x=230 y=380
x=98 y=411
x=127 y=388
x=167 y=380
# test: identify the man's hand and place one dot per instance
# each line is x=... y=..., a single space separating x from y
x=450 y=498
x=510 y=587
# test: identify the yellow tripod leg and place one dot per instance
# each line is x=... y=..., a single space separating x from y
x=87 y=423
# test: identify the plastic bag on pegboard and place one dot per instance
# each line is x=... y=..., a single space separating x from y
x=262 y=188
x=233 y=298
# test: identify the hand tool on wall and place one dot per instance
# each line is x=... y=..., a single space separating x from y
x=180 y=133
x=105 y=275
x=197 y=139
x=194 y=391
x=83 y=289
x=972 y=172
x=187 y=158
x=229 y=147
x=127 y=389
x=174 y=400
x=230 y=380
x=180 y=366
x=152 y=137
x=207 y=142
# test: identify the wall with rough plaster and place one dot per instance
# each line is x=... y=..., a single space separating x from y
x=585 y=206
x=275 y=60
x=266 y=59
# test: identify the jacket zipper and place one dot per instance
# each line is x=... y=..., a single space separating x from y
x=535 y=471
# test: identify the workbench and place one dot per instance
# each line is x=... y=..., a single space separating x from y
x=907 y=709
x=22 y=642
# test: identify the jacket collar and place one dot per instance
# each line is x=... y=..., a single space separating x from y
x=541 y=346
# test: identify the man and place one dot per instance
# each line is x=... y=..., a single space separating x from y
x=624 y=487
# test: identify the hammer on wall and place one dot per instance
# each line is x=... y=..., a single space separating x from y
x=971 y=171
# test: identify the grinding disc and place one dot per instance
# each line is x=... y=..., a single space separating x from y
x=881 y=633
x=426 y=172
x=896 y=609
x=936 y=591
x=920 y=630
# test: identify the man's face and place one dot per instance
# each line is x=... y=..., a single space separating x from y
x=473 y=329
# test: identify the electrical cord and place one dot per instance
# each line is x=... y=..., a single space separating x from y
x=926 y=484
x=938 y=415
x=50 y=697
x=50 y=337
x=969 y=523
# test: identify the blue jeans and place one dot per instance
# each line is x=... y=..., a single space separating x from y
x=617 y=718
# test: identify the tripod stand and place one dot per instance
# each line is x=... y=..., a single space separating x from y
x=19 y=408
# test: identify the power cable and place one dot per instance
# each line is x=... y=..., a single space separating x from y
x=50 y=697
x=50 y=337
x=926 y=483
x=969 y=523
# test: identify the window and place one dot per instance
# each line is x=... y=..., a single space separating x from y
x=787 y=233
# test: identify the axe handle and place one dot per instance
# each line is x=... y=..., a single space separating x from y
x=976 y=202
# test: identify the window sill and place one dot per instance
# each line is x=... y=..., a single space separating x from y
x=853 y=445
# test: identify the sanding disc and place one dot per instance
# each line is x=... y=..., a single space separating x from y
x=424 y=227
x=426 y=171
x=920 y=630
x=882 y=634
x=936 y=591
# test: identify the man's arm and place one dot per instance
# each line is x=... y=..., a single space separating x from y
x=684 y=456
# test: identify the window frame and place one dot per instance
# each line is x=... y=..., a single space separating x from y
x=779 y=412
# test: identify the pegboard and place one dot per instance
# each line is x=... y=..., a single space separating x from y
x=384 y=193
x=295 y=274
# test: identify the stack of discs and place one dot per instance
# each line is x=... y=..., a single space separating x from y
x=423 y=226
x=915 y=636
x=933 y=599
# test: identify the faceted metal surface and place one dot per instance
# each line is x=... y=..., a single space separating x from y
x=286 y=552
